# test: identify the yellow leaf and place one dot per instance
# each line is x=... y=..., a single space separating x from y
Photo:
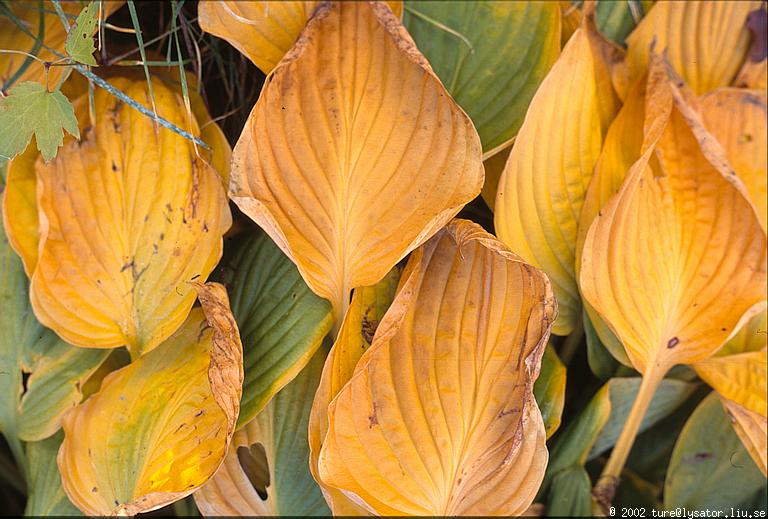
x=740 y=378
x=705 y=42
x=263 y=31
x=20 y=206
x=366 y=311
x=542 y=188
x=752 y=429
x=736 y=118
x=752 y=336
x=676 y=260
x=439 y=417
x=128 y=217
x=571 y=19
x=350 y=163
x=158 y=428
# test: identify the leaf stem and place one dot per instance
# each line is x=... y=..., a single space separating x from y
x=609 y=480
x=571 y=343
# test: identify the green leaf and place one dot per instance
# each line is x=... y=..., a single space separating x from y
x=282 y=323
x=710 y=469
x=29 y=109
x=46 y=496
x=600 y=360
x=491 y=56
x=670 y=395
x=616 y=18
x=571 y=494
x=79 y=45
x=32 y=409
x=266 y=471
x=549 y=390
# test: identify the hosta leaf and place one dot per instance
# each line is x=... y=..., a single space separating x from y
x=709 y=468
x=736 y=118
x=571 y=20
x=752 y=429
x=114 y=263
x=549 y=390
x=46 y=496
x=753 y=336
x=79 y=44
x=754 y=71
x=676 y=261
x=543 y=185
x=366 y=311
x=705 y=42
x=278 y=435
x=261 y=30
x=491 y=56
x=314 y=165
x=616 y=19
x=494 y=166
x=740 y=377
x=160 y=427
x=20 y=197
x=623 y=392
x=439 y=417
x=41 y=377
x=282 y=323
x=29 y=109
x=570 y=494
x=600 y=360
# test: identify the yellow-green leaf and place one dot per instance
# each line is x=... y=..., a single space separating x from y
x=439 y=416
x=160 y=427
x=542 y=188
x=549 y=390
x=282 y=323
x=114 y=263
x=46 y=496
x=752 y=429
x=79 y=44
x=740 y=378
x=269 y=456
x=329 y=141
x=705 y=42
x=366 y=310
x=491 y=56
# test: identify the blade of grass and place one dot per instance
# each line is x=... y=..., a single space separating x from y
x=140 y=41
x=6 y=11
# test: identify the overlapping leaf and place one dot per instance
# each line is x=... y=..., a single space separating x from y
x=282 y=323
x=549 y=390
x=675 y=261
x=439 y=416
x=41 y=377
x=542 y=188
x=355 y=336
x=114 y=264
x=277 y=436
x=491 y=56
x=46 y=496
x=329 y=141
x=708 y=467
x=751 y=427
x=160 y=427
x=263 y=31
x=705 y=42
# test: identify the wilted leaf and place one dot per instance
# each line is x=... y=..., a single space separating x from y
x=442 y=401
x=79 y=44
x=46 y=497
x=355 y=336
x=282 y=323
x=705 y=42
x=753 y=336
x=677 y=259
x=263 y=31
x=277 y=438
x=543 y=185
x=740 y=377
x=314 y=166
x=115 y=263
x=491 y=56
x=709 y=467
x=160 y=427
x=623 y=392
x=570 y=494
x=30 y=109
x=736 y=118
x=549 y=390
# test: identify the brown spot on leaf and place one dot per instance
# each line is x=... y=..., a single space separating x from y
x=674 y=341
